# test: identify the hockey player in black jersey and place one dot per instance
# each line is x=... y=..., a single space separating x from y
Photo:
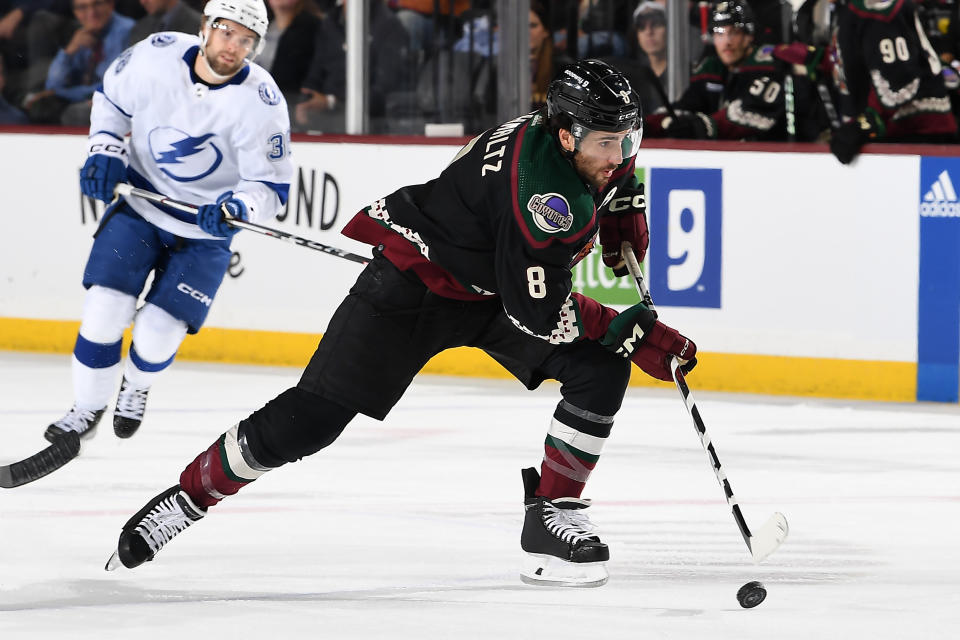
x=889 y=78
x=738 y=93
x=480 y=256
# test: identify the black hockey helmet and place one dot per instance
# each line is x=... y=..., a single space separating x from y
x=732 y=13
x=590 y=95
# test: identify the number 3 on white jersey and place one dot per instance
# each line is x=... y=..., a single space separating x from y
x=536 y=282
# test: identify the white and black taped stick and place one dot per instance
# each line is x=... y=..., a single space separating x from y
x=125 y=189
x=774 y=531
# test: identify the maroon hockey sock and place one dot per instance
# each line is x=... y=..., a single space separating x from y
x=555 y=476
x=218 y=472
x=571 y=450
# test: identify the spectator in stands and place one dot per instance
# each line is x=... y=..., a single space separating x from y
x=78 y=67
x=9 y=114
x=544 y=61
x=426 y=20
x=30 y=31
x=650 y=20
x=325 y=85
x=600 y=33
x=165 y=15
x=889 y=78
x=649 y=66
x=289 y=46
x=736 y=94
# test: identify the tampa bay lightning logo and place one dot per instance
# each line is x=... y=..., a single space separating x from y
x=183 y=157
x=122 y=60
x=551 y=212
x=268 y=94
x=163 y=39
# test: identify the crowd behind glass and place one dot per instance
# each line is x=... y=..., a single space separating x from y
x=436 y=61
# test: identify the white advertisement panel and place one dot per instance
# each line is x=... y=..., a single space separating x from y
x=803 y=256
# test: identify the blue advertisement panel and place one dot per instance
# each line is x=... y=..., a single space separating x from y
x=938 y=339
x=686 y=212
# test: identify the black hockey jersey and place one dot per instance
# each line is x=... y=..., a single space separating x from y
x=884 y=62
x=508 y=217
x=746 y=102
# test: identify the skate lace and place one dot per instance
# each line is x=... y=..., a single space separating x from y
x=570 y=525
x=131 y=402
x=163 y=522
x=76 y=420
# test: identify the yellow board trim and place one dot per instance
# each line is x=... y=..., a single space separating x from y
x=779 y=375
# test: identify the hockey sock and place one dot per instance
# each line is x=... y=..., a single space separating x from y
x=141 y=373
x=156 y=337
x=571 y=450
x=221 y=471
x=94 y=370
x=96 y=354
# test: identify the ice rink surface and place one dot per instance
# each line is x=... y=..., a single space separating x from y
x=410 y=528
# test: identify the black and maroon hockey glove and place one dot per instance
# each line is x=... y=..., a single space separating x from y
x=845 y=141
x=690 y=126
x=813 y=59
x=650 y=344
x=623 y=218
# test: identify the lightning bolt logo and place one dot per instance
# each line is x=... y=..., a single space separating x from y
x=182 y=148
x=183 y=157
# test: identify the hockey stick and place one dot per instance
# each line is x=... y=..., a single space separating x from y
x=774 y=531
x=789 y=103
x=63 y=450
x=124 y=189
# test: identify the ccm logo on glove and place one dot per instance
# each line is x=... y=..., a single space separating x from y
x=624 y=203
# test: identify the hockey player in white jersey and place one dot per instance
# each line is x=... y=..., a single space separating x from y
x=195 y=119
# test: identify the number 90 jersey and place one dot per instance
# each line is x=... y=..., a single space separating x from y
x=509 y=216
x=192 y=141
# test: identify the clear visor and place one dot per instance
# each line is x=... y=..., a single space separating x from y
x=241 y=39
x=600 y=144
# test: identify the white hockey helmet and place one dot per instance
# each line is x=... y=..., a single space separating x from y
x=252 y=14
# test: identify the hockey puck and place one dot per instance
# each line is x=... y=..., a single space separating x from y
x=751 y=594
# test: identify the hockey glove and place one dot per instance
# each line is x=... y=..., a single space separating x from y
x=106 y=166
x=815 y=64
x=623 y=219
x=638 y=335
x=845 y=141
x=210 y=217
x=690 y=126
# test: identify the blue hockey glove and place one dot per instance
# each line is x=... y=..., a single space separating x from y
x=210 y=217
x=100 y=175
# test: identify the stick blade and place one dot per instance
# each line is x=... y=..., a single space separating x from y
x=63 y=450
x=769 y=537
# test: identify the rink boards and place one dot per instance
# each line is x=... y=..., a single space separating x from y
x=794 y=274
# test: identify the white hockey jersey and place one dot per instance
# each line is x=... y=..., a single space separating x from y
x=190 y=141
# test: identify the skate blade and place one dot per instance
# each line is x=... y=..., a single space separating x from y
x=548 y=571
x=114 y=562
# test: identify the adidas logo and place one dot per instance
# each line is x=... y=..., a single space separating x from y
x=941 y=200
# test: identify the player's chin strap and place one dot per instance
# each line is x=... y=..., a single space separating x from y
x=127 y=190
x=774 y=531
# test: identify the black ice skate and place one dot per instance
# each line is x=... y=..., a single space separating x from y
x=83 y=421
x=562 y=546
x=154 y=526
x=128 y=414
